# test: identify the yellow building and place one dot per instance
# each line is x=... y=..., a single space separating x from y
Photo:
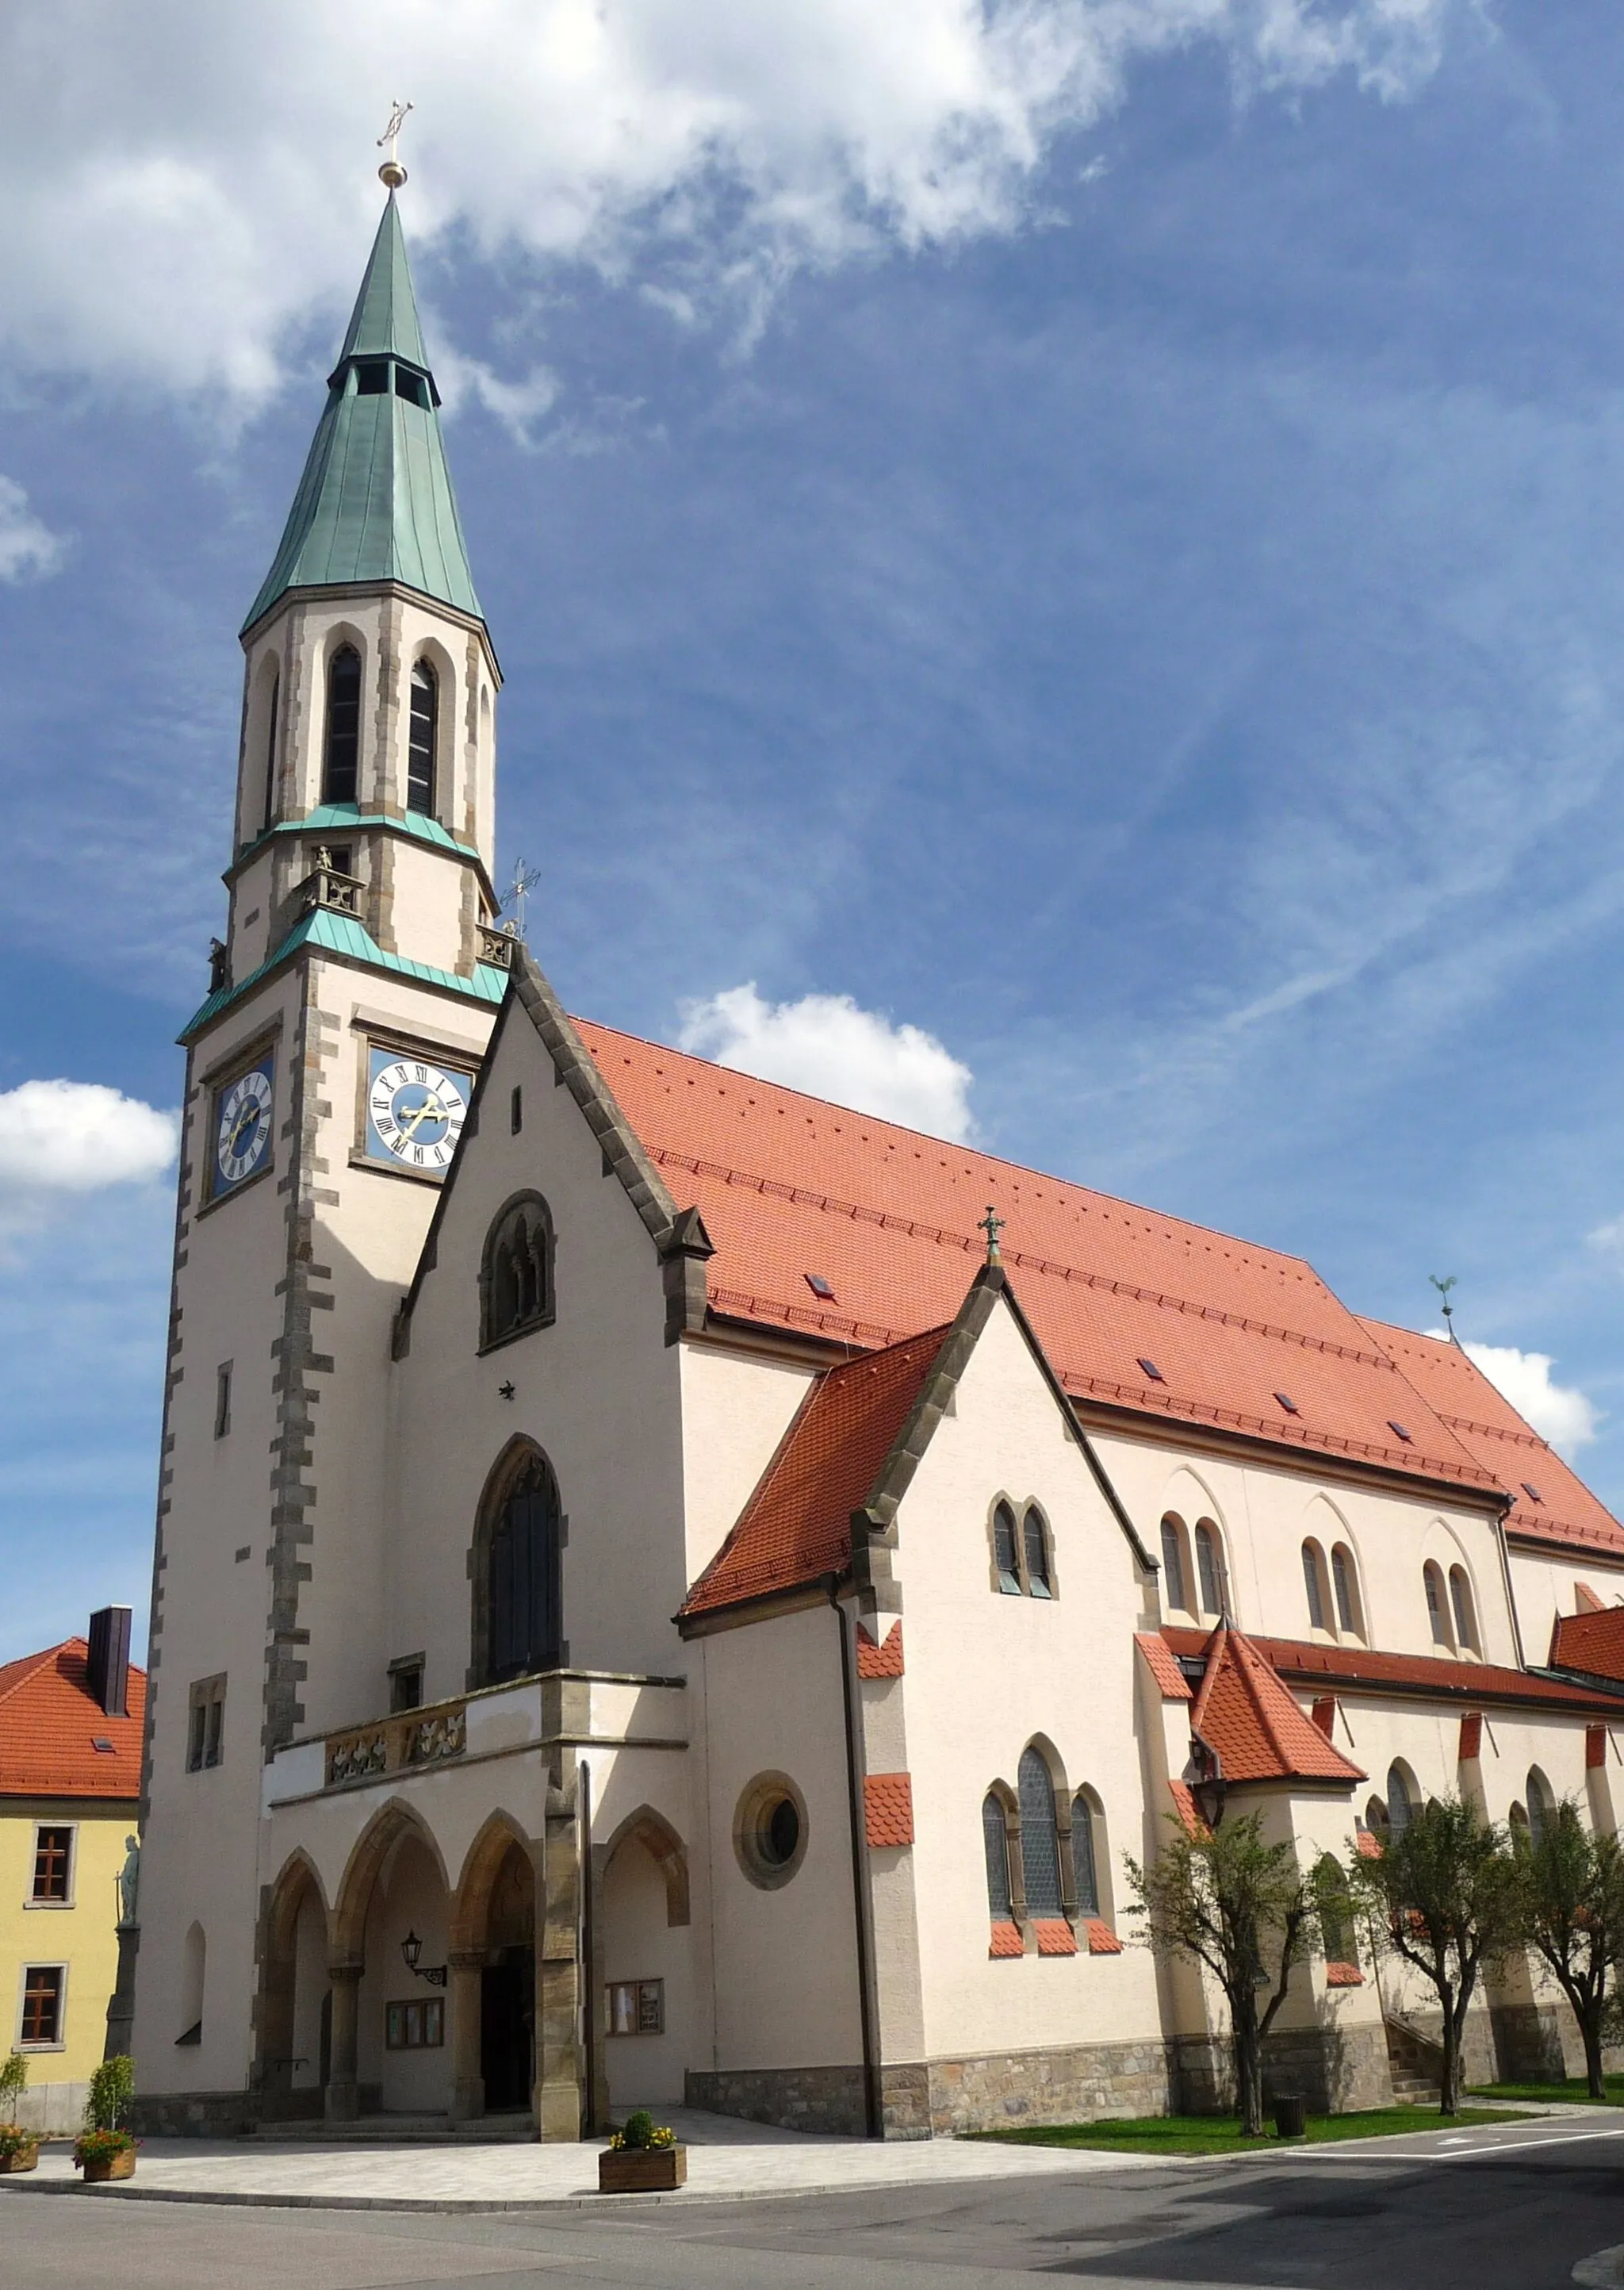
x=70 y=1773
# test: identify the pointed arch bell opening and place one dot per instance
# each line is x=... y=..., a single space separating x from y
x=422 y=739
x=342 y=727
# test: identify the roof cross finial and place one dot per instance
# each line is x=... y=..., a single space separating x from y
x=392 y=172
x=992 y=1224
x=1443 y=1287
x=524 y=880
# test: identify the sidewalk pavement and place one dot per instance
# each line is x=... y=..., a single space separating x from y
x=728 y=2160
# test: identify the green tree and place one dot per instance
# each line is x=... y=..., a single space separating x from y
x=1573 y=1904
x=111 y=2094
x=1447 y=1897
x=1223 y=1899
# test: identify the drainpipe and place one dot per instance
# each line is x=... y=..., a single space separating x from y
x=872 y=2119
x=588 y=1968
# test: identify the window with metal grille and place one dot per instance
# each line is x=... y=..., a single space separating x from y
x=41 y=2003
x=1038 y=1583
x=995 y=1839
x=1083 y=1857
x=421 y=738
x=1209 y=1569
x=1040 y=1841
x=1005 y=1556
x=1460 y=1605
x=1342 y=1581
x=1172 y=1564
x=1314 y=1585
x=341 y=745
x=53 y=1864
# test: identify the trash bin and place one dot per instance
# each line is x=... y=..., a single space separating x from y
x=1291 y=2115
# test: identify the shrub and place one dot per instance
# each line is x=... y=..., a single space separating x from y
x=641 y=2132
x=13 y=2083
x=112 y=2094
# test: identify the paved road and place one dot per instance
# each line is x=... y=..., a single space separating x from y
x=1514 y=2209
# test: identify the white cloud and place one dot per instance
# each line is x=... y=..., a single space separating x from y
x=826 y=1045
x=75 y=1137
x=196 y=178
x=1558 y=1412
x=29 y=549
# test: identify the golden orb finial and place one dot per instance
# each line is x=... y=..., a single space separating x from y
x=392 y=174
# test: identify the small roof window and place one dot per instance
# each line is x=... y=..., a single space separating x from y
x=1398 y=1430
x=1152 y=1371
x=824 y=1290
x=1533 y=1491
x=100 y=1742
x=1288 y=1403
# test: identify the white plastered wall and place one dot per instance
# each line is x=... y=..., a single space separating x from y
x=736 y=1408
x=988 y=1673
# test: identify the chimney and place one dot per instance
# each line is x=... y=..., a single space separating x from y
x=109 y=1659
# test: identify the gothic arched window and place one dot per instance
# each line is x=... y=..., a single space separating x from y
x=995 y=1839
x=1173 y=1569
x=342 y=744
x=421 y=738
x=523 y=1576
x=1541 y=1806
x=516 y=1278
x=1006 y=1559
x=1461 y=1607
x=1040 y=1843
x=1037 y=1540
x=1211 y=1571
x=1084 y=1865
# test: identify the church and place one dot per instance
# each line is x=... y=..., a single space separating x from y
x=670 y=1590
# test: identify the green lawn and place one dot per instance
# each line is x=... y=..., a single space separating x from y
x=1219 y=2134
x=1573 y=2093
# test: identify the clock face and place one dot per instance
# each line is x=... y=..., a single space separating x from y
x=243 y=1127
x=414 y=1112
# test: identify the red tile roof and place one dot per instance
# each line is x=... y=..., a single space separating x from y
x=1593 y=1643
x=1054 y=1937
x=888 y=1808
x=1344 y=1975
x=1245 y=1713
x=797 y=1525
x=788 y=1185
x=1173 y=1683
x=882 y=1660
x=1102 y=1940
x=50 y=1723
x=1490 y=1428
x=1006 y=1941
x=1423 y=1674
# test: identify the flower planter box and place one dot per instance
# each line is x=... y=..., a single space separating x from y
x=24 y=2158
x=641 y=2170
x=120 y=2165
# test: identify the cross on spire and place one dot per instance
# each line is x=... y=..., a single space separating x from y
x=992 y=1225
x=392 y=174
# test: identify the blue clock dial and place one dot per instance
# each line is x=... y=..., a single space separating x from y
x=415 y=1109
x=243 y=1127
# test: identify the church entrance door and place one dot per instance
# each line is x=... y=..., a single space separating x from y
x=506 y=2022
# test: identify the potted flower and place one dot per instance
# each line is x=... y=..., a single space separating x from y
x=106 y=2147
x=18 y=2148
x=642 y=2158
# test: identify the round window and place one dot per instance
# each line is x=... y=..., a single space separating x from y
x=770 y=1831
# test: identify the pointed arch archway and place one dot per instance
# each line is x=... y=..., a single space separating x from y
x=492 y=1963
x=393 y=1883
x=289 y=2005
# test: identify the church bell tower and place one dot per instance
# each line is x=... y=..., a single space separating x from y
x=329 y=1074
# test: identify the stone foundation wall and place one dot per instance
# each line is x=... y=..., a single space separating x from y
x=196 y=2114
x=1336 y=2069
x=55 y=2111
x=1536 y=2043
x=796 y=2098
x=1070 y=2084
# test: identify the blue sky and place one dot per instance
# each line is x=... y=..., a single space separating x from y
x=1097 y=535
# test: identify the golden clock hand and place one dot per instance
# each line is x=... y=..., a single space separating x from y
x=430 y=1105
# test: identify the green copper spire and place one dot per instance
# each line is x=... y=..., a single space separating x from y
x=375 y=501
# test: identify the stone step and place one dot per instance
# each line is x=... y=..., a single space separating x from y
x=399 y=2131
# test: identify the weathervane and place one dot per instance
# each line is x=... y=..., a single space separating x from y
x=391 y=172
x=524 y=880
x=1443 y=1287
x=992 y=1225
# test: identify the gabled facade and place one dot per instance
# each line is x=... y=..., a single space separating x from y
x=696 y=1605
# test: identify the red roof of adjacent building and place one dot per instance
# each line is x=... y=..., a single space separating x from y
x=1317 y=1664
x=50 y=1722
x=792 y=1189
x=797 y=1525
x=1551 y=1502
x=1593 y=1643
x=1245 y=1713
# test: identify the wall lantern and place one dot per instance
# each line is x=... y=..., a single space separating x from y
x=411 y=1948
